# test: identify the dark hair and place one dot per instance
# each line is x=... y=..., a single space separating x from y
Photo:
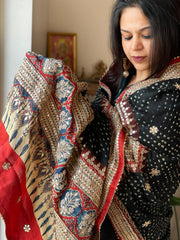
x=164 y=17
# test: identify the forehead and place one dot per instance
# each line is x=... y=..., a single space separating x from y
x=133 y=18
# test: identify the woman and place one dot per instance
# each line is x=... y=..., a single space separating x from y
x=107 y=171
x=149 y=33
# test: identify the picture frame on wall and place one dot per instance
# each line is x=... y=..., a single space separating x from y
x=63 y=46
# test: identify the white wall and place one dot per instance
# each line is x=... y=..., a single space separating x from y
x=1 y=53
x=40 y=25
x=16 y=38
x=89 y=19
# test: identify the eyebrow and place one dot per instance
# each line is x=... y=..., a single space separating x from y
x=142 y=29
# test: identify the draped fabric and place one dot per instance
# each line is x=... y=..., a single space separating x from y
x=65 y=165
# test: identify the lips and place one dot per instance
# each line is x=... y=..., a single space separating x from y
x=138 y=59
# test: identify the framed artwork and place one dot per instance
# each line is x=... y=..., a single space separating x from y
x=63 y=46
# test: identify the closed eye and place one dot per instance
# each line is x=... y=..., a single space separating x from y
x=128 y=38
x=147 y=36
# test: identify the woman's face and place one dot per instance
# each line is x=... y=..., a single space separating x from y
x=136 y=39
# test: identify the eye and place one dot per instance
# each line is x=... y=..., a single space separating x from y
x=128 y=38
x=147 y=36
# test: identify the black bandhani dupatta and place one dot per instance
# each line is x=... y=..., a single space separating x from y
x=150 y=115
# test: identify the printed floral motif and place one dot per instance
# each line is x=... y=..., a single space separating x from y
x=153 y=130
x=154 y=172
x=51 y=65
x=177 y=86
x=63 y=89
x=146 y=224
x=63 y=150
x=6 y=166
x=148 y=187
x=59 y=180
x=86 y=222
x=65 y=120
x=70 y=203
x=27 y=228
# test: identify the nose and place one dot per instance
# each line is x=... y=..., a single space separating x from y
x=136 y=43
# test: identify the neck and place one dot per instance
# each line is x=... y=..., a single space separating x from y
x=138 y=77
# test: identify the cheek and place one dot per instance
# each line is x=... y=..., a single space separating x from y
x=148 y=48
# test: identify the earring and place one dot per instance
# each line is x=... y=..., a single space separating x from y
x=126 y=67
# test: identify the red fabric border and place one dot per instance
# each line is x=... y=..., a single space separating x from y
x=15 y=204
x=130 y=222
x=114 y=182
